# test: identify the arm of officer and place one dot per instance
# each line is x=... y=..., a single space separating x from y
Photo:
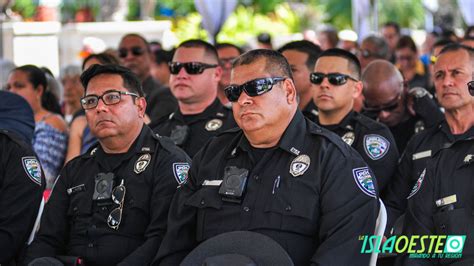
x=419 y=215
x=349 y=208
x=20 y=198
x=52 y=237
x=164 y=188
x=180 y=238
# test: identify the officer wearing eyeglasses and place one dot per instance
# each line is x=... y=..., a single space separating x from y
x=452 y=71
x=279 y=174
x=406 y=111
x=195 y=75
x=336 y=84
x=110 y=205
x=135 y=53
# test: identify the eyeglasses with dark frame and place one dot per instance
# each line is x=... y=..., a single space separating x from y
x=389 y=107
x=470 y=87
x=192 y=68
x=118 y=197
x=252 y=88
x=110 y=97
x=336 y=79
x=135 y=50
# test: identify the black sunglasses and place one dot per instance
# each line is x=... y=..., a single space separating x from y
x=336 y=79
x=389 y=107
x=252 y=88
x=136 y=51
x=470 y=86
x=109 y=98
x=118 y=197
x=192 y=68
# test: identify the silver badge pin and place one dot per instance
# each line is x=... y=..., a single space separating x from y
x=469 y=158
x=213 y=125
x=299 y=165
x=142 y=163
x=349 y=138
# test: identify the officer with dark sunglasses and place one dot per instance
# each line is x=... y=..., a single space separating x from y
x=279 y=174
x=110 y=205
x=134 y=53
x=406 y=111
x=336 y=85
x=452 y=71
x=195 y=74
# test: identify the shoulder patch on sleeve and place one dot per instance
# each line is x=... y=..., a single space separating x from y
x=32 y=168
x=417 y=185
x=180 y=171
x=376 y=146
x=364 y=180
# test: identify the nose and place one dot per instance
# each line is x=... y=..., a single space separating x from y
x=244 y=99
x=182 y=73
x=101 y=106
x=383 y=115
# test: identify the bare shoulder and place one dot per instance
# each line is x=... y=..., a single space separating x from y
x=57 y=122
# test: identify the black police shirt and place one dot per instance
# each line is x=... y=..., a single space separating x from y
x=311 y=111
x=441 y=203
x=74 y=221
x=373 y=141
x=311 y=193
x=191 y=132
x=412 y=163
x=21 y=190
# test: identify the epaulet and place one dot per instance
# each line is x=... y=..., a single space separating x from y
x=165 y=142
x=370 y=123
x=315 y=129
x=155 y=123
x=13 y=136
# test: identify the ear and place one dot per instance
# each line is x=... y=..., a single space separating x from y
x=290 y=91
x=140 y=102
x=357 y=91
x=217 y=73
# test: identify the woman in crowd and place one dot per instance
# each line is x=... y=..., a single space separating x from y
x=50 y=135
x=73 y=91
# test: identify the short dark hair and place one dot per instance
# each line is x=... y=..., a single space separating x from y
x=332 y=36
x=163 y=56
x=392 y=24
x=130 y=81
x=275 y=63
x=354 y=64
x=380 y=44
x=209 y=49
x=147 y=44
x=312 y=50
x=442 y=42
x=457 y=47
x=228 y=45
x=406 y=42
x=103 y=58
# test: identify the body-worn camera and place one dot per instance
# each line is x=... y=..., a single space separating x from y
x=179 y=134
x=104 y=183
x=233 y=184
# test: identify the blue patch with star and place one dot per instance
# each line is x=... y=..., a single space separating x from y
x=32 y=168
x=364 y=180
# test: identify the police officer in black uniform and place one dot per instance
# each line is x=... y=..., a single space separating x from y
x=21 y=179
x=337 y=84
x=441 y=203
x=280 y=175
x=195 y=74
x=457 y=126
x=301 y=56
x=406 y=111
x=109 y=206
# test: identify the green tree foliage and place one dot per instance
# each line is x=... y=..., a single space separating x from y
x=26 y=8
x=408 y=13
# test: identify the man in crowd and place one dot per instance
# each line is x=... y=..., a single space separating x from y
x=452 y=71
x=110 y=205
x=279 y=175
x=227 y=52
x=372 y=48
x=389 y=100
x=391 y=34
x=21 y=178
x=301 y=55
x=135 y=54
x=412 y=68
x=195 y=76
x=337 y=84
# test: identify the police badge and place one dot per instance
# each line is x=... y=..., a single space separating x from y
x=376 y=146
x=142 y=162
x=214 y=124
x=32 y=168
x=299 y=165
x=349 y=138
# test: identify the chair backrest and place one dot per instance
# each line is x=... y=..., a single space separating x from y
x=379 y=231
